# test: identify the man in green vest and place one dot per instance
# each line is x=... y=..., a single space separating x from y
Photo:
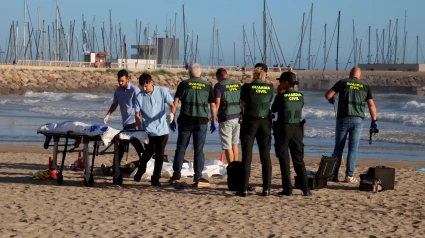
x=354 y=94
x=288 y=132
x=195 y=95
x=227 y=99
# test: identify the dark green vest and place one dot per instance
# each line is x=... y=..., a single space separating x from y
x=260 y=96
x=230 y=98
x=352 y=97
x=195 y=97
x=293 y=102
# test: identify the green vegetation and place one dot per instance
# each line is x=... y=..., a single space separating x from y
x=113 y=71
x=211 y=73
x=183 y=73
x=159 y=72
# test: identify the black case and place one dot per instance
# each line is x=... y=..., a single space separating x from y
x=385 y=174
x=234 y=176
x=324 y=172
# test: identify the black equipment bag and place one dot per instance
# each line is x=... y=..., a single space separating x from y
x=234 y=176
x=370 y=184
x=385 y=174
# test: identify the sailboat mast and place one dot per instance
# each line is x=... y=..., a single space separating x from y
x=396 y=41
x=234 y=53
x=404 y=40
x=337 y=41
x=244 y=47
x=25 y=33
x=354 y=45
x=218 y=51
x=57 y=32
x=368 y=49
x=417 y=49
x=324 y=51
x=196 y=48
x=110 y=35
x=253 y=36
x=301 y=43
x=184 y=35
x=265 y=33
x=309 y=43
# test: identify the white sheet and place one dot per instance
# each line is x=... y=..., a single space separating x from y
x=107 y=133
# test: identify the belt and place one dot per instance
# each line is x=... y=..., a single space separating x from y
x=251 y=117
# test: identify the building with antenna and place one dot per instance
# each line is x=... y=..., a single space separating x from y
x=165 y=52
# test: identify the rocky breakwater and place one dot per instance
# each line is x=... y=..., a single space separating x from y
x=16 y=80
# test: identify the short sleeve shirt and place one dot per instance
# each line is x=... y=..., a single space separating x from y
x=125 y=99
x=152 y=110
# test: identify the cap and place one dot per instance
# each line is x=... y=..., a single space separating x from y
x=289 y=77
x=264 y=66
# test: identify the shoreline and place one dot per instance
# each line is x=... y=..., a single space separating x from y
x=309 y=160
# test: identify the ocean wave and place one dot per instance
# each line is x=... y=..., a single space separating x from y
x=414 y=106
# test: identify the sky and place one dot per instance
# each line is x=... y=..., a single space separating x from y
x=231 y=15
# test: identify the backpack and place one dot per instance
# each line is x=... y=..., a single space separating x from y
x=234 y=176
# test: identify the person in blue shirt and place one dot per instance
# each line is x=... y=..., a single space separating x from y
x=124 y=96
x=151 y=116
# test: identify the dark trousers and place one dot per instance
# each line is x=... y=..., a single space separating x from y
x=123 y=146
x=156 y=144
x=259 y=129
x=290 y=135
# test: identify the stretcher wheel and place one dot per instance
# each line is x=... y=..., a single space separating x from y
x=59 y=180
x=91 y=181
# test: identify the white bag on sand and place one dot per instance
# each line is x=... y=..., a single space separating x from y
x=212 y=167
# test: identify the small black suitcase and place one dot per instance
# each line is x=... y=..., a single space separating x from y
x=234 y=176
x=385 y=174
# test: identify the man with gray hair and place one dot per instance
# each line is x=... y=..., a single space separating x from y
x=195 y=94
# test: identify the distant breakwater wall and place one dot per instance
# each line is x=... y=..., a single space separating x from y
x=16 y=80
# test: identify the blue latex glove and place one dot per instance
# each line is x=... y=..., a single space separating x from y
x=213 y=127
x=173 y=126
x=374 y=124
x=331 y=100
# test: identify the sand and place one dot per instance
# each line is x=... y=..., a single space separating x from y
x=32 y=208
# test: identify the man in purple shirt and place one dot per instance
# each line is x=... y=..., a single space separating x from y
x=125 y=96
x=227 y=99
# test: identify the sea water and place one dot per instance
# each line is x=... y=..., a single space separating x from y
x=401 y=122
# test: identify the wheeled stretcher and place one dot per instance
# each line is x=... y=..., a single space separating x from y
x=86 y=139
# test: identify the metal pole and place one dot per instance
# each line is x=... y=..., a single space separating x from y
x=110 y=35
x=396 y=41
x=265 y=33
x=368 y=49
x=337 y=42
x=244 y=47
x=234 y=53
x=25 y=33
x=253 y=36
x=324 y=52
x=309 y=43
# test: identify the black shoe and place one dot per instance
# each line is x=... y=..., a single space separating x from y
x=200 y=182
x=155 y=183
x=243 y=193
x=138 y=176
x=265 y=193
x=174 y=179
x=307 y=193
x=285 y=193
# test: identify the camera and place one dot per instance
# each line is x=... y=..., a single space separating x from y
x=372 y=131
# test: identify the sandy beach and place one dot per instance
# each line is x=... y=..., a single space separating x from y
x=33 y=208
